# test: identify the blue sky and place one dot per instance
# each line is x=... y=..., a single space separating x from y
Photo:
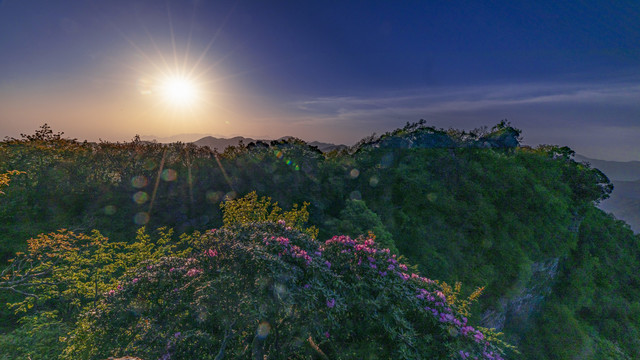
x=564 y=72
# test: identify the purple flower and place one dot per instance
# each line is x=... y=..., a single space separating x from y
x=326 y=334
x=328 y=264
x=331 y=303
x=446 y=317
x=433 y=311
x=177 y=335
x=307 y=286
x=478 y=336
x=135 y=280
x=466 y=329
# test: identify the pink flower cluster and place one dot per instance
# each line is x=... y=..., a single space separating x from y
x=366 y=255
x=292 y=250
x=194 y=272
x=211 y=253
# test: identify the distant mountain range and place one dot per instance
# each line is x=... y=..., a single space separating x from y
x=615 y=170
x=221 y=143
x=624 y=202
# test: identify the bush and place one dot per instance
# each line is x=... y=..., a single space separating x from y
x=265 y=289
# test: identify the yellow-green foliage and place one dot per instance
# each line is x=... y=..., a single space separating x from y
x=5 y=178
x=75 y=269
x=251 y=209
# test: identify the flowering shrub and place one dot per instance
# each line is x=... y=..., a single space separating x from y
x=267 y=290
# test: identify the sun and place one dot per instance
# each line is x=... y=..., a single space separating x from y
x=179 y=91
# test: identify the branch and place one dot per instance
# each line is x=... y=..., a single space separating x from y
x=227 y=335
x=317 y=349
x=21 y=292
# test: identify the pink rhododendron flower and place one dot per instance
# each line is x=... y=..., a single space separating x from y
x=193 y=272
x=211 y=253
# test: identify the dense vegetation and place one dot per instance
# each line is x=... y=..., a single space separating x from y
x=560 y=277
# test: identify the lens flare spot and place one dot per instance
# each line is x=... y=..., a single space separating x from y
x=145 y=86
x=432 y=197
x=141 y=218
x=355 y=195
x=354 y=173
x=169 y=175
x=140 y=197
x=280 y=290
x=149 y=164
x=229 y=196
x=264 y=328
x=214 y=196
x=387 y=160
x=109 y=210
x=139 y=181
x=373 y=181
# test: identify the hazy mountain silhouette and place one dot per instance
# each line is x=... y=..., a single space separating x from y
x=624 y=202
x=615 y=170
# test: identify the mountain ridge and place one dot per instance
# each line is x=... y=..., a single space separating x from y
x=221 y=144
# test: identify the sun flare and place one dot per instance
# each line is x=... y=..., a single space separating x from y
x=179 y=91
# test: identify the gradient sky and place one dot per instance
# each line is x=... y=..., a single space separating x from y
x=565 y=72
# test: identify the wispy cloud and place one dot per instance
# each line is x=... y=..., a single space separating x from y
x=473 y=98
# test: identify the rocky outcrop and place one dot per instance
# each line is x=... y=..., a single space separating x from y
x=519 y=307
